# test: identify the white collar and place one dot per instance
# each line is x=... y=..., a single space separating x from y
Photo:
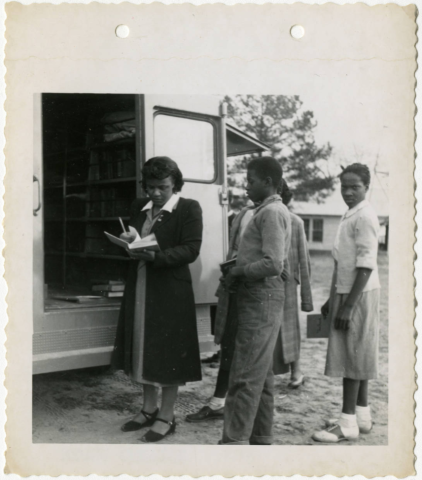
x=356 y=208
x=168 y=207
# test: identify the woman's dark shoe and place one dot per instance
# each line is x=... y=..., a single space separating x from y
x=214 y=359
x=297 y=383
x=151 y=436
x=132 y=426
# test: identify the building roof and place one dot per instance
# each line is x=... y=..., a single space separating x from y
x=335 y=206
x=332 y=207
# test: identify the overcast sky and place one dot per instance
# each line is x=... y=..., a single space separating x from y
x=356 y=114
x=356 y=129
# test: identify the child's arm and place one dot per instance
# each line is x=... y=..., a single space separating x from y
x=366 y=238
x=344 y=314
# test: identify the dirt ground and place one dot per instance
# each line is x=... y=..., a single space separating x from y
x=90 y=405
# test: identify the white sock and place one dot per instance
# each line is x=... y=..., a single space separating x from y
x=348 y=424
x=363 y=413
x=216 y=403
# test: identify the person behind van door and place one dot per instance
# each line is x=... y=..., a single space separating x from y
x=287 y=348
x=215 y=358
x=263 y=249
x=157 y=339
x=225 y=327
x=353 y=308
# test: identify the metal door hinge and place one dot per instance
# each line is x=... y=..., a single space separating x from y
x=224 y=197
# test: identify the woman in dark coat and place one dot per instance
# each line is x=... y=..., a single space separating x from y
x=157 y=339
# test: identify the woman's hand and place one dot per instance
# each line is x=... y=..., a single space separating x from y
x=325 y=309
x=128 y=237
x=343 y=317
x=145 y=255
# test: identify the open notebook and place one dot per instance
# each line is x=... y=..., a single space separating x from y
x=147 y=243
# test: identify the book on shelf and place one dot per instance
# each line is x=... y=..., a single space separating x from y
x=102 y=281
x=147 y=243
x=77 y=298
x=108 y=288
x=94 y=166
x=112 y=294
x=106 y=166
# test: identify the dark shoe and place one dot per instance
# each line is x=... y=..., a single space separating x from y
x=297 y=383
x=214 y=359
x=151 y=437
x=132 y=426
x=206 y=413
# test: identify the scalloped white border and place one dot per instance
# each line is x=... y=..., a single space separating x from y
x=418 y=196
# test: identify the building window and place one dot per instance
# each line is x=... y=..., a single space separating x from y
x=314 y=229
x=307 y=225
x=317 y=230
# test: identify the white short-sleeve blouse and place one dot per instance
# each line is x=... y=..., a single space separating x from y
x=356 y=246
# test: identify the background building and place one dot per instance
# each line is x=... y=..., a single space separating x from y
x=322 y=219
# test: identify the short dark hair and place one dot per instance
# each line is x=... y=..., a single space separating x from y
x=267 y=167
x=162 y=167
x=359 y=169
x=285 y=192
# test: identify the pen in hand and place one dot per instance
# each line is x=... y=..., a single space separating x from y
x=127 y=236
x=123 y=225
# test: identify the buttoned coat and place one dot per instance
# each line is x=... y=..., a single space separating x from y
x=171 y=349
x=287 y=348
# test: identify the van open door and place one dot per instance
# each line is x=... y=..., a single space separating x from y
x=85 y=180
x=192 y=130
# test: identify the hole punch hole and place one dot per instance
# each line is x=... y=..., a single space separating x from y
x=297 y=32
x=122 y=31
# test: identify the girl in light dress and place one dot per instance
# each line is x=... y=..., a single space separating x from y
x=353 y=308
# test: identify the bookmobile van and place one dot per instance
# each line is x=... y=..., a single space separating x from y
x=88 y=153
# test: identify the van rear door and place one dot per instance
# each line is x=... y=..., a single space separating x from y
x=191 y=131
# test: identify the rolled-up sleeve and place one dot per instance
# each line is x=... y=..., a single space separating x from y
x=273 y=231
x=366 y=243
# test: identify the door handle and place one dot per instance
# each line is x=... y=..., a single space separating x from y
x=35 y=179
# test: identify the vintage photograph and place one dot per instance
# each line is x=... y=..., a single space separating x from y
x=210 y=239
x=208 y=269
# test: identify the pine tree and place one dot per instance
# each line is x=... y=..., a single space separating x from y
x=278 y=121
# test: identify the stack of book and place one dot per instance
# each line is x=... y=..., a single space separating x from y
x=110 y=288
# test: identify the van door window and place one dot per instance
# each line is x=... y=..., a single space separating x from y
x=190 y=143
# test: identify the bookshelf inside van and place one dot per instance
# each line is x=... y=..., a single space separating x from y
x=90 y=167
